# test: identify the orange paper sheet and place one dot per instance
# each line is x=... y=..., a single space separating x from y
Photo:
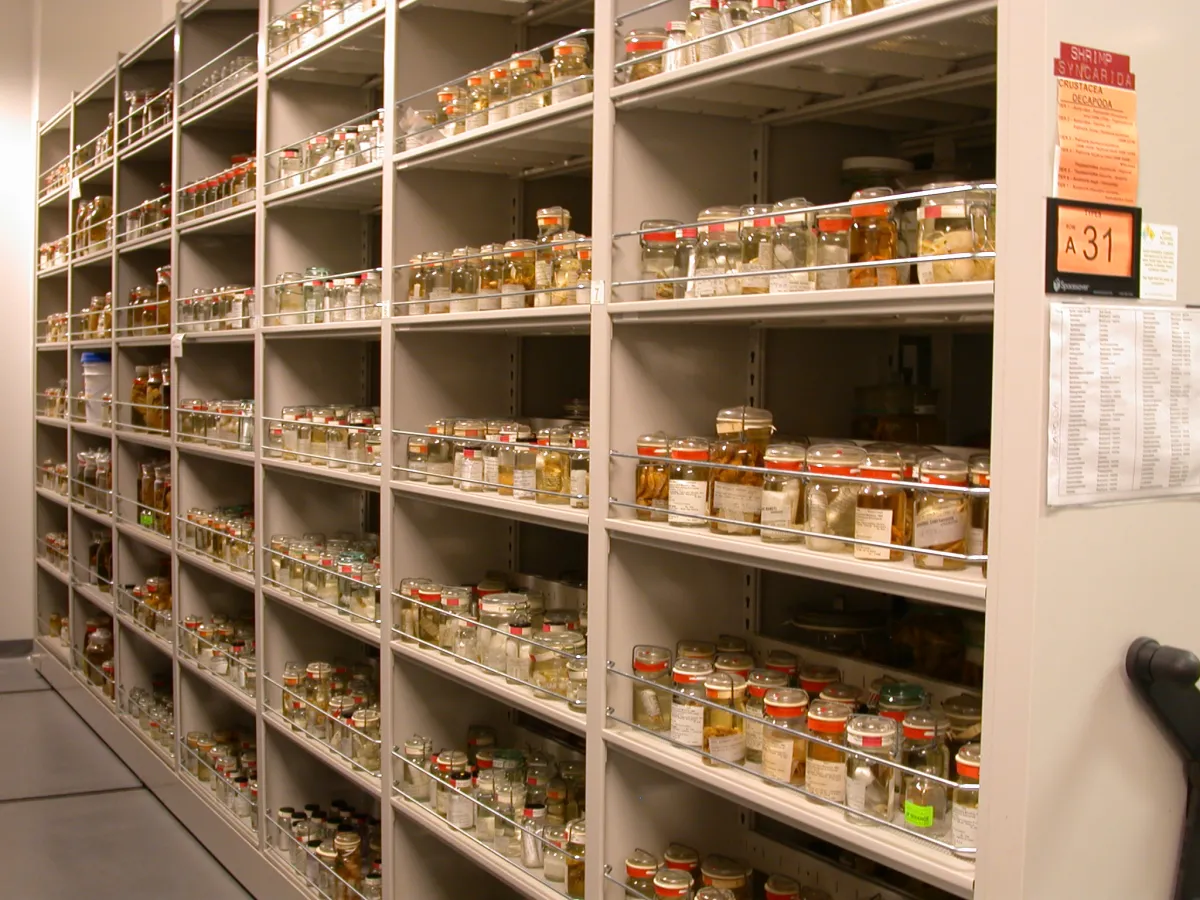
x=1098 y=143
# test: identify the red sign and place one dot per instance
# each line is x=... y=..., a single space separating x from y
x=1093 y=65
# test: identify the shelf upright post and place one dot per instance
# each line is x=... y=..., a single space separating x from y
x=1082 y=796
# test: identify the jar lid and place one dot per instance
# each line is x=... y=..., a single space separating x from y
x=672 y=883
x=724 y=685
x=780 y=887
x=884 y=466
x=702 y=4
x=963 y=706
x=980 y=470
x=571 y=47
x=659 y=230
x=708 y=892
x=677 y=25
x=920 y=724
x=871 y=732
x=737 y=419
x=943 y=470
x=577 y=669
x=759 y=681
x=782 y=661
x=651 y=659
x=787 y=457
x=715 y=867
x=652 y=444
x=840 y=692
x=786 y=703
x=833 y=221
x=828 y=718
x=692 y=449
x=691 y=671
x=680 y=856
x=741 y=663
x=641 y=864
x=871 y=210
x=647 y=39
x=835 y=459
x=815 y=678
x=688 y=649
x=528 y=61
x=901 y=693
x=966 y=761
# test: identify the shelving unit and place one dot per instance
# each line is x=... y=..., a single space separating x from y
x=945 y=83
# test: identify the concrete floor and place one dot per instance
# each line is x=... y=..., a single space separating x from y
x=75 y=822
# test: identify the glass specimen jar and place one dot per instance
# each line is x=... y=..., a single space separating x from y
x=940 y=519
x=366 y=738
x=476 y=101
x=955 y=223
x=289 y=299
x=729 y=876
x=580 y=467
x=783 y=492
x=464 y=281
x=830 y=506
x=965 y=716
x=874 y=237
x=815 y=677
x=554 y=862
x=678 y=55
x=576 y=858
x=767 y=30
x=416 y=768
x=718 y=251
x=525 y=83
x=565 y=270
x=688 y=649
x=964 y=805
x=724 y=734
x=792 y=245
x=870 y=788
x=437 y=283
x=925 y=800
x=784 y=749
x=569 y=70
x=651 y=477
x=651 y=699
x=758 y=683
x=687 y=715
x=688 y=483
x=658 y=258
x=439 y=464
x=640 y=868
x=757 y=238
x=980 y=475
x=742 y=436
x=734 y=13
x=881 y=512
x=672 y=884
x=552 y=468
x=898 y=698
x=641 y=44
x=686 y=241
x=498 y=94
x=317 y=678
x=491 y=276
x=704 y=20
x=825 y=772
x=833 y=248
x=520 y=274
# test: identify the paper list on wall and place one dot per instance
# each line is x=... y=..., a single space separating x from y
x=1124 y=418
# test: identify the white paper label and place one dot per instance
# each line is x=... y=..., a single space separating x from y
x=975 y=542
x=777 y=757
x=497 y=114
x=491 y=471
x=826 y=779
x=1159 y=263
x=472 y=470
x=730 y=748
x=754 y=734
x=938 y=528
x=964 y=825
x=686 y=497
x=856 y=791
x=524 y=481
x=687 y=725
x=176 y=346
x=575 y=88
x=485 y=828
x=439 y=300
x=872 y=525
x=489 y=301
x=76 y=188
x=779 y=507
x=647 y=699
x=579 y=482
x=512 y=296
x=736 y=501
x=460 y=811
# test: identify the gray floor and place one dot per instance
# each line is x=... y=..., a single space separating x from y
x=74 y=821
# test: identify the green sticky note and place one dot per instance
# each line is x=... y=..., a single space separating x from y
x=917 y=815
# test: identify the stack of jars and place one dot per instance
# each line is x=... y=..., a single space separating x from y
x=154 y=495
x=226 y=308
x=96 y=322
x=93 y=226
x=225 y=534
x=53 y=476
x=482 y=790
x=679 y=871
x=149 y=217
x=337 y=436
x=342 y=149
x=224 y=647
x=228 y=424
x=55 y=549
x=228 y=189
x=554 y=270
x=313 y=20
x=841 y=489
x=224 y=74
x=340 y=572
x=97 y=152
x=652 y=51
x=336 y=851
x=54 y=253
x=226 y=762
x=53 y=401
x=146 y=112
x=336 y=704
x=150 y=398
x=93 y=479
x=521 y=84
x=154 y=711
x=316 y=297
x=149 y=310
x=57 y=329
x=96 y=663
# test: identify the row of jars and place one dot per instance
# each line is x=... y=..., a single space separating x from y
x=719 y=257
x=311 y=21
x=93 y=226
x=680 y=872
x=149 y=309
x=54 y=547
x=93 y=478
x=224 y=647
x=226 y=308
x=154 y=495
x=56 y=328
x=96 y=322
x=227 y=189
x=225 y=534
x=317 y=297
x=695 y=482
x=522 y=84
x=222 y=75
x=149 y=604
x=54 y=253
x=227 y=763
x=147 y=111
x=482 y=790
x=93 y=153
x=714 y=20
x=476 y=455
x=332 y=152
x=544 y=650
x=56 y=177
x=55 y=402
x=337 y=705
x=228 y=424
x=96 y=664
x=337 y=436
x=337 y=851
x=54 y=476
x=154 y=711
x=148 y=217
x=340 y=572
x=504 y=276
x=150 y=398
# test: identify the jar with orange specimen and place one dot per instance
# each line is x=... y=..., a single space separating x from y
x=881 y=514
x=742 y=436
x=940 y=518
x=874 y=237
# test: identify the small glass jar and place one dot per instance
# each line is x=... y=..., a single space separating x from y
x=439 y=455
x=678 y=55
x=651 y=698
x=525 y=84
x=565 y=270
x=687 y=714
x=577 y=685
x=965 y=716
x=437 y=283
x=833 y=249
x=964 y=806
x=554 y=860
x=640 y=868
x=940 y=519
x=366 y=738
x=825 y=770
x=781 y=887
x=689 y=649
x=756 y=237
x=980 y=476
x=758 y=683
x=498 y=94
x=735 y=13
x=783 y=492
x=520 y=274
x=742 y=436
x=724 y=729
x=784 y=749
x=925 y=800
x=576 y=858
x=658 y=257
x=830 y=506
x=652 y=477
x=881 y=511
x=870 y=787
x=464 y=281
x=769 y=29
x=704 y=21
x=570 y=70
x=792 y=245
x=552 y=467
x=640 y=44
x=491 y=276
x=816 y=677
x=956 y=223
x=874 y=237
x=718 y=252
x=688 y=483
x=728 y=875
x=416 y=769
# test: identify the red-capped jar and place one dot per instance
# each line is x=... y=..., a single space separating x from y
x=816 y=678
x=658 y=258
x=651 y=694
x=830 y=504
x=825 y=773
x=940 y=519
x=651 y=477
x=688 y=483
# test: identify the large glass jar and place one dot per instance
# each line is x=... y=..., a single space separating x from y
x=464 y=281
x=651 y=700
x=733 y=14
x=437 y=283
x=569 y=70
x=784 y=749
x=366 y=738
x=742 y=436
x=874 y=237
x=520 y=274
x=724 y=728
x=792 y=245
x=525 y=83
x=688 y=483
x=833 y=249
x=289 y=298
x=476 y=102
x=718 y=251
x=491 y=276
x=641 y=44
x=551 y=479
x=940 y=519
x=658 y=258
x=898 y=698
x=758 y=682
x=783 y=492
x=671 y=884
x=651 y=477
x=965 y=716
x=576 y=858
x=870 y=790
x=830 y=506
x=768 y=29
x=439 y=463
x=956 y=223
x=704 y=21
x=825 y=770
x=980 y=475
x=687 y=713
x=678 y=55
x=498 y=95
x=565 y=270
x=640 y=867
x=881 y=511
x=964 y=806
x=757 y=237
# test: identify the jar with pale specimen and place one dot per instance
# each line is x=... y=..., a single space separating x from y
x=830 y=506
x=940 y=518
x=743 y=433
x=881 y=511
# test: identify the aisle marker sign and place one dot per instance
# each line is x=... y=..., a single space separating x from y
x=1093 y=248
